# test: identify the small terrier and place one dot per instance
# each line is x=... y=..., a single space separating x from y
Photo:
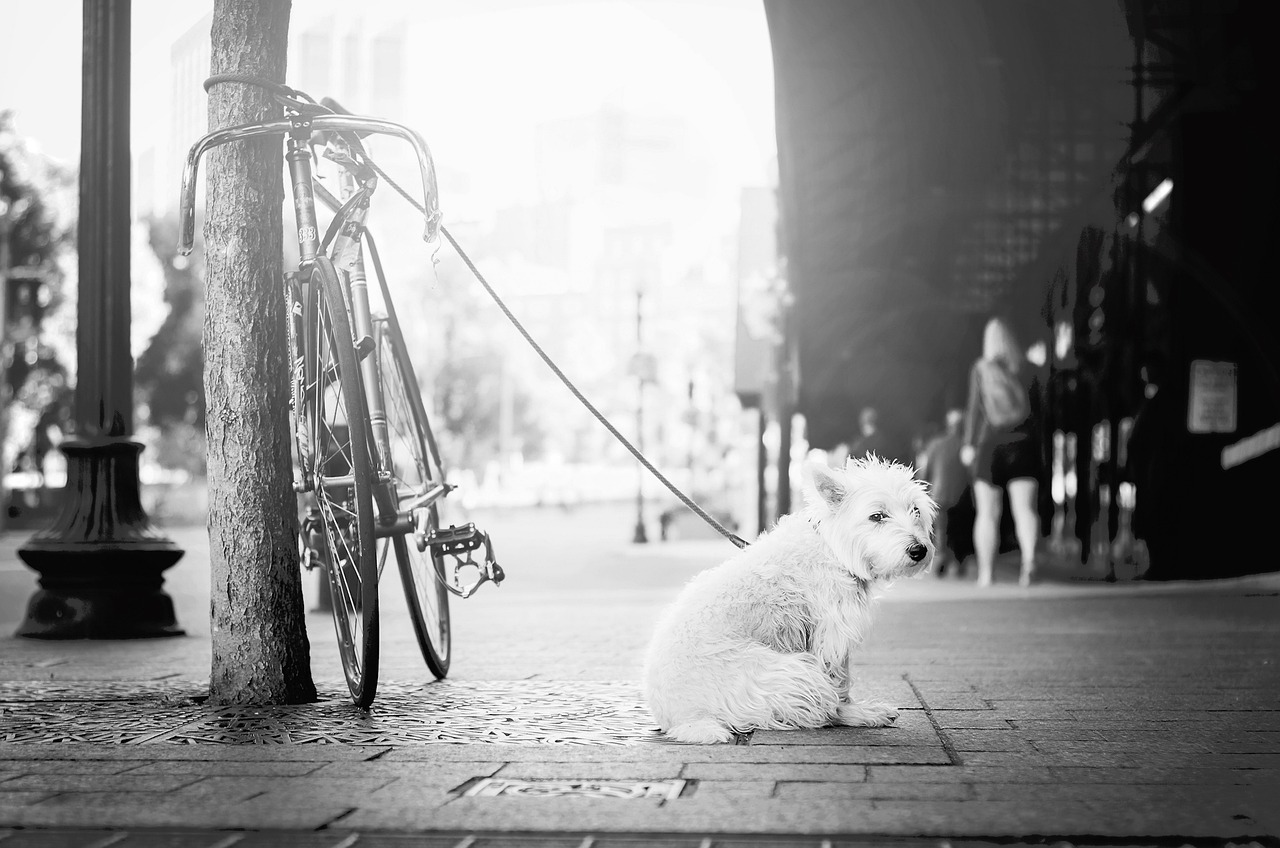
x=763 y=640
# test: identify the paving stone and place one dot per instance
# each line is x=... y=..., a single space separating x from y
x=967 y=818
x=141 y=810
x=310 y=789
x=967 y=773
x=19 y=797
x=436 y=771
x=287 y=768
x=1162 y=776
x=775 y=772
x=1165 y=735
x=975 y=719
x=1211 y=760
x=59 y=838
x=694 y=814
x=1247 y=743
x=14 y=751
x=735 y=789
x=312 y=839
x=1014 y=711
x=587 y=771
x=100 y=783
x=219 y=839
x=404 y=792
x=1061 y=731
x=1138 y=718
x=654 y=841
x=676 y=753
x=914 y=733
x=946 y=701
x=987 y=740
x=367 y=839
x=1020 y=758
x=1161 y=744
x=1117 y=723
x=894 y=691
x=13 y=767
x=823 y=791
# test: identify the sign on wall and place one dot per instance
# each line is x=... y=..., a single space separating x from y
x=1211 y=402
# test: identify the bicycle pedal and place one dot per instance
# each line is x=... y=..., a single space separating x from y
x=364 y=346
x=455 y=540
x=459 y=543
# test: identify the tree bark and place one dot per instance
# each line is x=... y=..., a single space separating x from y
x=260 y=649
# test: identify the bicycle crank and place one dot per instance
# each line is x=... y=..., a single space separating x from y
x=461 y=543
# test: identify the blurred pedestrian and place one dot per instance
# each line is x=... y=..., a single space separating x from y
x=872 y=438
x=1002 y=451
x=1154 y=479
x=941 y=467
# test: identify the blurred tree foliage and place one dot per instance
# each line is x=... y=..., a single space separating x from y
x=169 y=376
x=37 y=248
x=473 y=369
x=457 y=340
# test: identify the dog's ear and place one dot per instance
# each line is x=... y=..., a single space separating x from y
x=824 y=488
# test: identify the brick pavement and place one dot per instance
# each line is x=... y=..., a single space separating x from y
x=1086 y=713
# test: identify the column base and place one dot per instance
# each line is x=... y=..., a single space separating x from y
x=101 y=562
x=56 y=613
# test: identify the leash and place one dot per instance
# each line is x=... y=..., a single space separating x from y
x=555 y=369
x=295 y=95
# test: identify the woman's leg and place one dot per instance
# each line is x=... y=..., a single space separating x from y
x=1026 y=522
x=942 y=553
x=988 y=500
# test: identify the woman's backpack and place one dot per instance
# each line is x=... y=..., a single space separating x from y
x=1004 y=398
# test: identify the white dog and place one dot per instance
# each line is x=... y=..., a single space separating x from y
x=763 y=640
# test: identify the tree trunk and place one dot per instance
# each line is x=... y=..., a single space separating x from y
x=260 y=649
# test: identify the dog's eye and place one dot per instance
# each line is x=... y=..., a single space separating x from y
x=877 y=517
x=916 y=510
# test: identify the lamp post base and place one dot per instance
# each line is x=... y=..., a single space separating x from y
x=100 y=564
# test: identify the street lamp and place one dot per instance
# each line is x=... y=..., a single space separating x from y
x=643 y=366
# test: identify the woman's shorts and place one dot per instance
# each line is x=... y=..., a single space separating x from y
x=1007 y=456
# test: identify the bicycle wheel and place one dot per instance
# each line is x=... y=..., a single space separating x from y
x=342 y=473
x=415 y=469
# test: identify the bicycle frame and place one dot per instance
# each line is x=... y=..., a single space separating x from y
x=397 y=519
x=394 y=519
x=299 y=131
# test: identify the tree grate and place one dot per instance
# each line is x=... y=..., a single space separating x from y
x=500 y=712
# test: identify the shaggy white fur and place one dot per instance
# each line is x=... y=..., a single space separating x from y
x=763 y=640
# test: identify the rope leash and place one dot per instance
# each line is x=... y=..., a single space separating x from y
x=555 y=369
x=284 y=90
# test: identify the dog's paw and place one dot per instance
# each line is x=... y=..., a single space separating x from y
x=701 y=732
x=865 y=714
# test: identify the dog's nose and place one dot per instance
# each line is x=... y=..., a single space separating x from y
x=917 y=552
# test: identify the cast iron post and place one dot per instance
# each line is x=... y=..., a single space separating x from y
x=100 y=563
x=640 y=537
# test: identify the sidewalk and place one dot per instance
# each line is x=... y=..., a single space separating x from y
x=1090 y=713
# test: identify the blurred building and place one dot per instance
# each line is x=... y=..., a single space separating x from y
x=615 y=247
x=1097 y=173
x=359 y=60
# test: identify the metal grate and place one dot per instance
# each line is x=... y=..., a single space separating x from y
x=495 y=787
x=540 y=712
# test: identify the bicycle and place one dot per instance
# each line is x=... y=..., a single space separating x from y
x=367 y=468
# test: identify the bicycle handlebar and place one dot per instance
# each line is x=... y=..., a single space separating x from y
x=334 y=123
